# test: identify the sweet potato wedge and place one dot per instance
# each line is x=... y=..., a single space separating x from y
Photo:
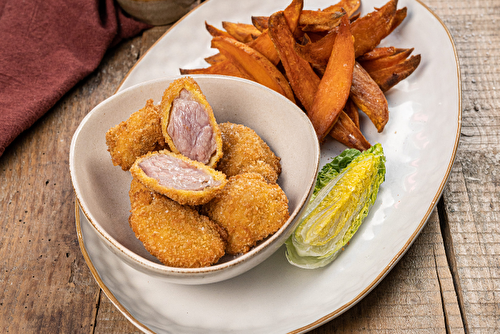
x=352 y=111
x=261 y=43
x=293 y=13
x=350 y=6
x=346 y=132
x=260 y=22
x=384 y=62
x=254 y=64
x=368 y=97
x=354 y=17
x=214 y=31
x=214 y=59
x=303 y=80
x=398 y=18
x=377 y=53
x=389 y=77
x=370 y=29
x=335 y=84
x=225 y=67
x=318 y=53
x=265 y=46
x=241 y=31
x=319 y=21
x=312 y=21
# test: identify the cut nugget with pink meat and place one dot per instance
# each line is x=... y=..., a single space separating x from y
x=249 y=209
x=188 y=122
x=184 y=180
x=139 y=134
x=177 y=235
x=244 y=152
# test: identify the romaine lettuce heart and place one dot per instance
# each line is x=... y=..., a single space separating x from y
x=346 y=188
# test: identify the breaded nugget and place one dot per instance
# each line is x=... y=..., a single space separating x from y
x=179 y=178
x=177 y=235
x=188 y=122
x=244 y=152
x=139 y=134
x=249 y=209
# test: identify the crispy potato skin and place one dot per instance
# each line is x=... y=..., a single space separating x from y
x=244 y=152
x=177 y=235
x=184 y=197
x=249 y=209
x=170 y=94
x=138 y=135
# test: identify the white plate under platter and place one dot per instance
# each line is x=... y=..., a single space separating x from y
x=420 y=142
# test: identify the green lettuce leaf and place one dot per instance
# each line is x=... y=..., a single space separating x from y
x=346 y=188
x=333 y=168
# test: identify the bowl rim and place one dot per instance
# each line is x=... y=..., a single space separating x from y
x=160 y=268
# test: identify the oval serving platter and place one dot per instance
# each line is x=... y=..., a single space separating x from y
x=420 y=142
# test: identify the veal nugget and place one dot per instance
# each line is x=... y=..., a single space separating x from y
x=138 y=135
x=244 y=152
x=249 y=209
x=177 y=235
x=188 y=122
x=179 y=178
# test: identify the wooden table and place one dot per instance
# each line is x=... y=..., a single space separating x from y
x=448 y=282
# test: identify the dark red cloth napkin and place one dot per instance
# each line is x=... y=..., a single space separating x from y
x=46 y=47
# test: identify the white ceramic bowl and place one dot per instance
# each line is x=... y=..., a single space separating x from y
x=102 y=189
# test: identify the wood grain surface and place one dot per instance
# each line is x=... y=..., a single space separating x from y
x=448 y=281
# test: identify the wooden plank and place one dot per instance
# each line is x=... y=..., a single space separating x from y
x=471 y=198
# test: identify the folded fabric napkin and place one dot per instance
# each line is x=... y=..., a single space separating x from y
x=48 y=46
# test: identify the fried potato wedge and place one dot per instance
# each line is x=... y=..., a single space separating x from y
x=352 y=111
x=335 y=84
x=384 y=62
x=389 y=77
x=370 y=29
x=225 y=67
x=263 y=43
x=377 y=53
x=350 y=6
x=318 y=53
x=354 y=17
x=319 y=21
x=214 y=31
x=242 y=32
x=292 y=13
x=216 y=58
x=265 y=46
x=398 y=18
x=368 y=97
x=303 y=80
x=252 y=63
x=346 y=132
x=260 y=22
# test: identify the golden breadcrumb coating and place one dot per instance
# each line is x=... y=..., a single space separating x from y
x=170 y=94
x=245 y=152
x=138 y=135
x=182 y=196
x=249 y=209
x=177 y=235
